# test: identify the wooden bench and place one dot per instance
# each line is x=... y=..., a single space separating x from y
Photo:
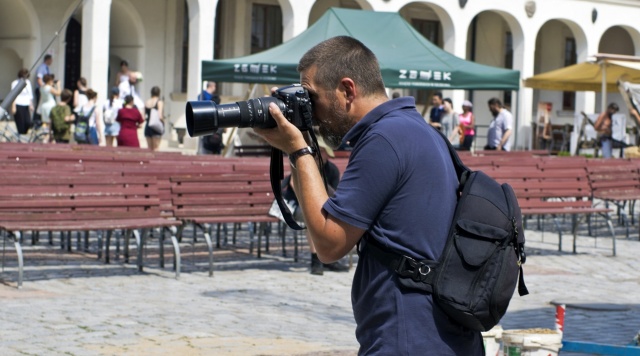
x=615 y=181
x=223 y=198
x=82 y=202
x=554 y=192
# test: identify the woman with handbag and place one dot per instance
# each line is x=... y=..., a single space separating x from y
x=154 y=127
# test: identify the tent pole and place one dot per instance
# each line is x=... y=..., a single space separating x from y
x=516 y=127
x=603 y=102
x=234 y=131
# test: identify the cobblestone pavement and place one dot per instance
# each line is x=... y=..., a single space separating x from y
x=72 y=304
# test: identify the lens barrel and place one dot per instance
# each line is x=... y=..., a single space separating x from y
x=205 y=117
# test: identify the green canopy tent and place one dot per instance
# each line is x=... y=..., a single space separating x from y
x=407 y=59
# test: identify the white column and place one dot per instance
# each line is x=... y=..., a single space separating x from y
x=201 y=19
x=96 y=15
x=524 y=107
x=456 y=43
x=295 y=17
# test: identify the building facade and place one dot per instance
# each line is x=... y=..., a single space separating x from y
x=166 y=40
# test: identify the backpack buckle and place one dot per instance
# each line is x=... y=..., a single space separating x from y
x=408 y=267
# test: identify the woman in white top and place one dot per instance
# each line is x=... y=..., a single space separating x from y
x=123 y=74
x=23 y=103
x=80 y=94
x=110 y=111
x=95 y=121
x=50 y=89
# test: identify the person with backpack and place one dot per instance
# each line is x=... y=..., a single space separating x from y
x=110 y=113
x=399 y=191
x=89 y=121
x=62 y=118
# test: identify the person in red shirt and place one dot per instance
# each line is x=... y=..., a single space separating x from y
x=130 y=120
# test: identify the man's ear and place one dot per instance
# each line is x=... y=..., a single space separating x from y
x=348 y=87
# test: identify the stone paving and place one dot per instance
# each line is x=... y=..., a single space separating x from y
x=72 y=304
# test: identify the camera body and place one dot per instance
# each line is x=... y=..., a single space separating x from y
x=298 y=105
x=205 y=117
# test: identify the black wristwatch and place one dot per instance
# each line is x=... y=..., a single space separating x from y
x=293 y=157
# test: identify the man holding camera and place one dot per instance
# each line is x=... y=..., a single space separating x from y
x=398 y=191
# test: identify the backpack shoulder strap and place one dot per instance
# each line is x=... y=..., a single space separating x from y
x=457 y=162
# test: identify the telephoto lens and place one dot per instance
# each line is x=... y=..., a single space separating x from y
x=205 y=117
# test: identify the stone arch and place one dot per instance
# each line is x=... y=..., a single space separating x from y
x=126 y=38
x=19 y=30
x=321 y=6
x=620 y=39
x=426 y=10
x=11 y=64
x=559 y=43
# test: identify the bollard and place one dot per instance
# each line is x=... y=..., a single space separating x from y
x=560 y=310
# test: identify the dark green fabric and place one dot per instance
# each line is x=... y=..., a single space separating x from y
x=61 y=128
x=407 y=59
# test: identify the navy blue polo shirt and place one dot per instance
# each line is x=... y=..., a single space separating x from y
x=400 y=185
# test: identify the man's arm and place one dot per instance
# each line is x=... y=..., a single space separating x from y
x=505 y=138
x=331 y=237
x=600 y=121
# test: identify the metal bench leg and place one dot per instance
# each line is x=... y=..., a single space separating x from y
x=127 y=235
x=613 y=233
x=118 y=235
x=79 y=240
x=161 y=246
x=140 y=244
x=100 y=246
x=51 y=238
x=218 y=228
x=207 y=238
x=86 y=240
x=295 y=246
x=16 y=243
x=574 y=230
x=68 y=246
x=557 y=223
x=177 y=266
x=282 y=231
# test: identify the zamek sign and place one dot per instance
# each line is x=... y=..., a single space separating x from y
x=423 y=78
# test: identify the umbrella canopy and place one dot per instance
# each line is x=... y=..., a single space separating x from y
x=407 y=59
x=587 y=76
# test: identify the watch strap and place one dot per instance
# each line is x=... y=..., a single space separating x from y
x=293 y=157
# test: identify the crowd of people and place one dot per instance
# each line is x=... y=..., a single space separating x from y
x=76 y=115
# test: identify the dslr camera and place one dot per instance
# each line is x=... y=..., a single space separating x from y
x=205 y=117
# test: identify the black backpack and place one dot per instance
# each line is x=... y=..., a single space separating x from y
x=214 y=142
x=81 y=132
x=476 y=275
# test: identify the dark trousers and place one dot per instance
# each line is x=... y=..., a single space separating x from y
x=466 y=144
x=36 y=102
x=23 y=119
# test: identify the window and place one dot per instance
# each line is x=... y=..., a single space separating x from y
x=430 y=29
x=266 y=27
x=570 y=58
x=508 y=63
x=185 y=49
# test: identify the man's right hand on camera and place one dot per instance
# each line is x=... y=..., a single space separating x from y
x=285 y=137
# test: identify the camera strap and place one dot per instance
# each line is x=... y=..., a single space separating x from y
x=277 y=175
